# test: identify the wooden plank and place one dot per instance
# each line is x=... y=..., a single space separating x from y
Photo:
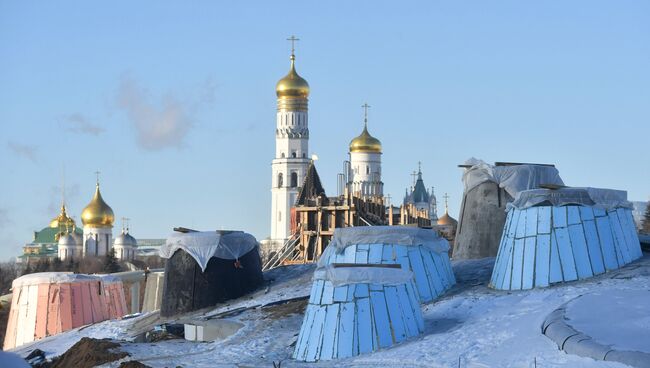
x=599 y=212
x=316 y=335
x=544 y=220
x=316 y=291
x=40 y=329
x=346 y=330
x=407 y=310
x=87 y=303
x=328 y=293
x=573 y=216
x=586 y=213
x=506 y=280
x=520 y=230
x=305 y=331
x=402 y=257
x=512 y=229
x=375 y=253
x=607 y=245
x=528 y=272
x=30 y=320
x=395 y=314
x=412 y=293
x=419 y=273
x=433 y=277
x=559 y=217
x=65 y=313
x=382 y=322
x=563 y=241
x=502 y=263
x=629 y=233
x=340 y=293
x=542 y=260
x=517 y=265
x=439 y=261
x=21 y=325
x=330 y=330
x=619 y=238
x=362 y=255
x=361 y=291
x=388 y=255
x=580 y=251
x=364 y=325
x=593 y=245
x=555 y=266
x=531 y=221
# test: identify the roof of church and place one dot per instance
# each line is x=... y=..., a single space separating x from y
x=419 y=193
x=48 y=235
x=311 y=187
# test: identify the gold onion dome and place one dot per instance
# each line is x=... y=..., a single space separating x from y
x=292 y=85
x=365 y=143
x=62 y=220
x=97 y=213
x=447 y=220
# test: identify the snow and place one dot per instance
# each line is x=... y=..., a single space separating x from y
x=619 y=318
x=472 y=324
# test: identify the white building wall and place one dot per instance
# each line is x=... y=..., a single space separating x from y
x=97 y=241
x=365 y=174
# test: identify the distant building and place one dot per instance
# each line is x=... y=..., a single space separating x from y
x=639 y=211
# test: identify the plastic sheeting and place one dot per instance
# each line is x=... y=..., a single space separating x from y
x=607 y=199
x=50 y=278
x=340 y=276
x=511 y=178
x=203 y=245
x=396 y=235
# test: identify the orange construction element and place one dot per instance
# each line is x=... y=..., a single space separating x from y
x=48 y=303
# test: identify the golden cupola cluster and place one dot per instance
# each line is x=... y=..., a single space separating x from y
x=97 y=213
x=365 y=142
x=292 y=85
x=62 y=220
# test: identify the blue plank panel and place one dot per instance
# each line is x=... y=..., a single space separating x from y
x=531 y=221
x=528 y=273
x=520 y=231
x=362 y=255
x=573 y=216
x=364 y=326
x=330 y=330
x=419 y=273
x=350 y=254
x=433 y=278
x=412 y=293
x=599 y=212
x=544 y=220
x=388 y=256
x=450 y=271
x=395 y=314
x=346 y=330
x=328 y=293
x=580 y=251
x=441 y=269
x=619 y=238
x=607 y=245
x=629 y=232
x=517 y=265
x=559 y=217
x=593 y=244
x=542 y=260
x=305 y=331
x=407 y=310
x=500 y=278
x=316 y=292
x=555 y=267
x=352 y=289
x=402 y=257
x=566 y=255
x=374 y=255
x=512 y=230
x=376 y=287
x=361 y=291
x=380 y=312
x=506 y=279
x=316 y=335
x=586 y=213
x=341 y=293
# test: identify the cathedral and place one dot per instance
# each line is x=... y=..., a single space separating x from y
x=303 y=217
x=62 y=238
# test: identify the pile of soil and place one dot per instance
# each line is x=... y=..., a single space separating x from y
x=133 y=364
x=87 y=353
x=285 y=308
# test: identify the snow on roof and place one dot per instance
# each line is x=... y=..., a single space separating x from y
x=51 y=278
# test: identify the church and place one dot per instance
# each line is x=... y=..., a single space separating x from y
x=62 y=238
x=303 y=217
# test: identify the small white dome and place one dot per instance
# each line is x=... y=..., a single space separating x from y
x=125 y=240
x=67 y=240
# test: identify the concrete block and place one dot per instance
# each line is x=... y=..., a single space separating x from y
x=584 y=346
x=559 y=332
x=211 y=330
x=635 y=359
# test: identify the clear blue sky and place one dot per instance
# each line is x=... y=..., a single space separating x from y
x=175 y=102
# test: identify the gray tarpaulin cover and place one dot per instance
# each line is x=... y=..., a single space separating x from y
x=511 y=178
x=340 y=276
x=203 y=245
x=606 y=199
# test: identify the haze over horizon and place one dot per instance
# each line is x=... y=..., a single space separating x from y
x=175 y=104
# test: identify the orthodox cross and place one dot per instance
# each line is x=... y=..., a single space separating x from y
x=365 y=107
x=414 y=175
x=125 y=224
x=293 y=40
x=446 y=197
x=97 y=174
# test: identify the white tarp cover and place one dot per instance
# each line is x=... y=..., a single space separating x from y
x=340 y=276
x=203 y=245
x=606 y=199
x=51 y=278
x=513 y=179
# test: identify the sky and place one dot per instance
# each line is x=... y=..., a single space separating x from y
x=174 y=102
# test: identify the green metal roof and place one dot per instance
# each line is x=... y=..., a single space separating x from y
x=47 y=235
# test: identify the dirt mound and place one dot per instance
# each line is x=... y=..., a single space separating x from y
x=133 y=364
x=87 y=353
x=284 y=308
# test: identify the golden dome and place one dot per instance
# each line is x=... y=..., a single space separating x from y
x=365 y=143
x=292 y=85
x=97 y=213
x=447 y=220
x=62 y=220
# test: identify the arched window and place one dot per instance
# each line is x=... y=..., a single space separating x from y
x=282 y=155
x=294 y=179
x=280 y=181
x=279 y=216
x=303 y=155
x=367 y=169
x=293 y=154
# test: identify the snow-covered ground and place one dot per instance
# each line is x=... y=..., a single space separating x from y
x=472 y=324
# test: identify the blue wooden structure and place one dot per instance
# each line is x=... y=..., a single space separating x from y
x=345 y=319
x=546 y=244
x=421 y=251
